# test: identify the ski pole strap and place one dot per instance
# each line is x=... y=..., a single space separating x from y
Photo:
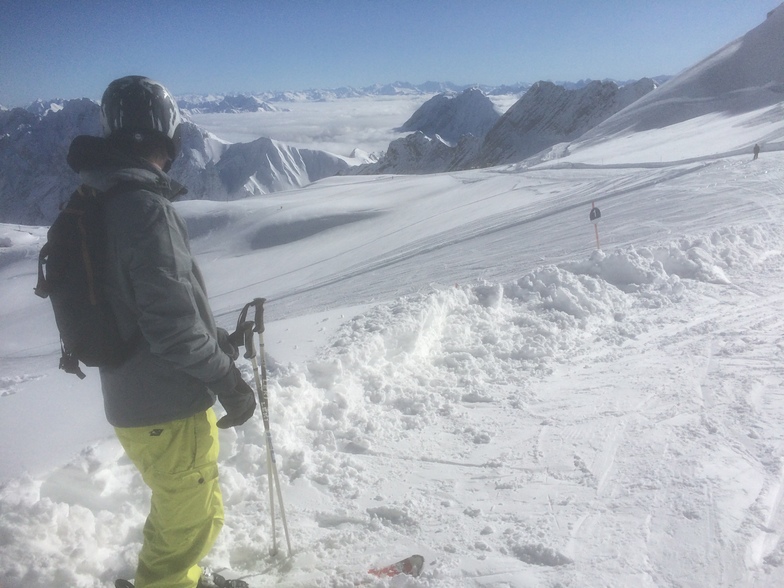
x=243 y=317
x=243 y=335
x=247 y=331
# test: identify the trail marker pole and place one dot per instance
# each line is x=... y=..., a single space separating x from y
x=595 y=216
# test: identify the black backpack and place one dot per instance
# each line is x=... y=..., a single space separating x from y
x=71 y=267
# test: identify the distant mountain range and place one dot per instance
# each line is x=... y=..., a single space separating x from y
x=34 y=141
x=270 y=101
x=464 y=131
x=36 y=179
x=458 y=128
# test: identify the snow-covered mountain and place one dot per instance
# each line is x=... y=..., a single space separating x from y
x=450 y=116
x=224 y=104
x=36 y=179
x=446 y=134
x=265 y=165
x=214 y=169
x=43 y=107
x=545 y=115
x=197 y=101
x=418 y=153
x=745 y=75
x=329 y=94
x=548 y=114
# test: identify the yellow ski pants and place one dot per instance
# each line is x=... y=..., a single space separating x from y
x=178 y=460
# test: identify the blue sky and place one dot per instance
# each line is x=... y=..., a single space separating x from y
x=69 y=49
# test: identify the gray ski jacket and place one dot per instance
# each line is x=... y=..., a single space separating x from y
x=157 y=293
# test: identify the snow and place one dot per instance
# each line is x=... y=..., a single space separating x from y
x=550 y=413
x=455 y=369
x=719 y=136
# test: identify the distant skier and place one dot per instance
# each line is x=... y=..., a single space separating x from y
x=160 y=399
x=756 y=150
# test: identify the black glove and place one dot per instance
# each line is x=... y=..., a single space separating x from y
x=236 y=397
x=227 y=345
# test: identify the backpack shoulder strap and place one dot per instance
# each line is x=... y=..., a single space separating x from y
x=42 y=288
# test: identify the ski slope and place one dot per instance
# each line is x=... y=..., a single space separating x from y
x=464 y=366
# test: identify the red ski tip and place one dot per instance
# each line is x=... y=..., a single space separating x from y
x=411 y=566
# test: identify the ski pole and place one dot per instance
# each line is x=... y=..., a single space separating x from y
x=244 y=333
x=250 y=353
x=264 y=401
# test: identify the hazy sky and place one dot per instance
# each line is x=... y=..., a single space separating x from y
x=74 y=48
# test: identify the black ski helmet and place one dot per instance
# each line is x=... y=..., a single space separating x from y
x=133 y=107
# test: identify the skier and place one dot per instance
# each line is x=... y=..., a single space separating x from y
x=756 y=150
x=160 y=399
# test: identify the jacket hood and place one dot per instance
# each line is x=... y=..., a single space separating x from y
x=102 y=166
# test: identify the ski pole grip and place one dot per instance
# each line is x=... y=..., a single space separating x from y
x=259 y=302
x=250 y=350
